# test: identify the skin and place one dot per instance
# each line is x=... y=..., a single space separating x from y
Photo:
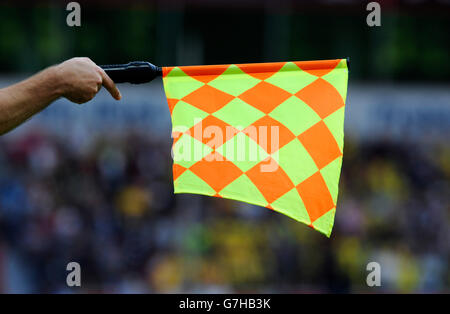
x=77 y=79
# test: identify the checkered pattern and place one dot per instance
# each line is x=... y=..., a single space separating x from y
x=304 y=100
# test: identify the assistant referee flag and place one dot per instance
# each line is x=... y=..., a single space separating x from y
x=269 y=134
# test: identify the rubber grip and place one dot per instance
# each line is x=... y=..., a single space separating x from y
x=136 y=72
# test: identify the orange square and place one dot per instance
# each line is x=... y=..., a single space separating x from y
x=265 y=135
x=318 y=68
x=261 y=71
x=322 y=97
x=171 y=102
x=208 y=98
x=316 y=196
x=212 y=131
x=273 y=184
x=265 y=96
x=320 y=144
x=216 y=170
x=204 y=74
x=177 y=171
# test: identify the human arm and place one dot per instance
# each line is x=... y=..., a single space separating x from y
x=77 y=79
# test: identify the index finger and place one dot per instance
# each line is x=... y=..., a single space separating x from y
x=110 y=85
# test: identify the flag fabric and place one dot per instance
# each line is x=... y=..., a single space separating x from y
x=269 y=134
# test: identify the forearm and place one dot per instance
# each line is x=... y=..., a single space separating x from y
x=21 y=101
x=77 y=79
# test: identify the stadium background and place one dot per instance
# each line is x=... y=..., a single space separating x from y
x=92 y=183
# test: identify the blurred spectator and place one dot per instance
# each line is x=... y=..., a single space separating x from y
x=112 y=210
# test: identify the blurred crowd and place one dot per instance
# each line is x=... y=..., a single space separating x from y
x=109 y=205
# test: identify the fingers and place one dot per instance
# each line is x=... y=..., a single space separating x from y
x=109 y=85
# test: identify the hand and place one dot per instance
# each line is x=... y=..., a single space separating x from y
x=80 y=79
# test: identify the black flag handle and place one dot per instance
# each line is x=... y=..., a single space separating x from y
x=136 y=72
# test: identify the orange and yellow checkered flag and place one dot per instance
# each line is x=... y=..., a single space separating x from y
x=269 y=134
